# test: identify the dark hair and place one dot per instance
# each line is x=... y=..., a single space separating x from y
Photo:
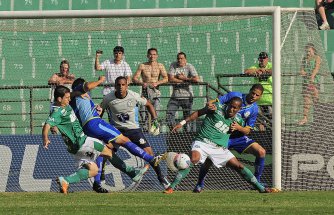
x=257 y=86
x=120 y=78
x=263 y=55
x=64 y=62
x=152 y=49
x=119 y=49
x=235 y=99
x=60 y=91
x=182 y=53
x=311 y=45
x=77 y=83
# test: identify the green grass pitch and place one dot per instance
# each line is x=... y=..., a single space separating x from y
x=208 y=202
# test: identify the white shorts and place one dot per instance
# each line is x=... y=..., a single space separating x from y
x=88 y=152
x=217 y=154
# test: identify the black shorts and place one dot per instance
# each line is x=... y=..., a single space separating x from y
x=137 y=137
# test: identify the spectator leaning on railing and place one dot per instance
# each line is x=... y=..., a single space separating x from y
x=262 y=72
x=182 y=74
x=148 y=76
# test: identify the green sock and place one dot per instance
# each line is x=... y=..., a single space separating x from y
x=248 y=175
x=121 y=165
x=78 y=176
x=181 y=174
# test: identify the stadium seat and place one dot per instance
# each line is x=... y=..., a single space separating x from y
x=51 y=5
x=115 y=4
x=84 y=5
x=231 y=62
x=142 y=4
x=290 y=3
x=74 y=42
x=197 y=43
x=252 y=39
x=167 y=4
x=309 y=4
x=5 y=6
x=200 y=3
x=25 y=6
x=255 y=3
x=166 y=46
x=221 y=43
x=224 y=3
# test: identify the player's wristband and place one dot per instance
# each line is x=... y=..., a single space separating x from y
x=183 y=122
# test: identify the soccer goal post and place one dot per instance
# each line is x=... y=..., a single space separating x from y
x=216 y=41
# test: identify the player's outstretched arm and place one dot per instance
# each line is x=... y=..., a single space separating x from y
x=211 y=106
x=45 y=135
x=190 y=118
x=53 y=79
x=93 y=84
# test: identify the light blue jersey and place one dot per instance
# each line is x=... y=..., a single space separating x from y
x=238 y=141
x=84 y=109
x=90 y=120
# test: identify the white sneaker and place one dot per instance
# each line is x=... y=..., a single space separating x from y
x=324 y=26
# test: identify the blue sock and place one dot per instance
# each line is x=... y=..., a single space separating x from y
x=202 y=174
x=97 y=178
x=137 y=151
x=259 y=167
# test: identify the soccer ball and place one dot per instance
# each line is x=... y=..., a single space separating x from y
x=182 y=161
x=177 y=161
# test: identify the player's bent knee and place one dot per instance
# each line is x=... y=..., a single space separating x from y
x=110 y=146
x=261 y=152
x=121 y=140
x=106 y=152
x=235 y=164
x=257 y=150
x=194 y=161
x=195 y=157
x=93 y=169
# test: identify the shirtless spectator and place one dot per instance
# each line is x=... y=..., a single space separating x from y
x=64 y=77
x=148 y=75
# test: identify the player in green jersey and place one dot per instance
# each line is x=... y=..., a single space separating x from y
x=84 y=149
x=212 y=142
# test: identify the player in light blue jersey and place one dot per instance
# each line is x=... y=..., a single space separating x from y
x=96 y=127
x=239 y=140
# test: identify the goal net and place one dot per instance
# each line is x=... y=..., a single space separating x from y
x=32 y=49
